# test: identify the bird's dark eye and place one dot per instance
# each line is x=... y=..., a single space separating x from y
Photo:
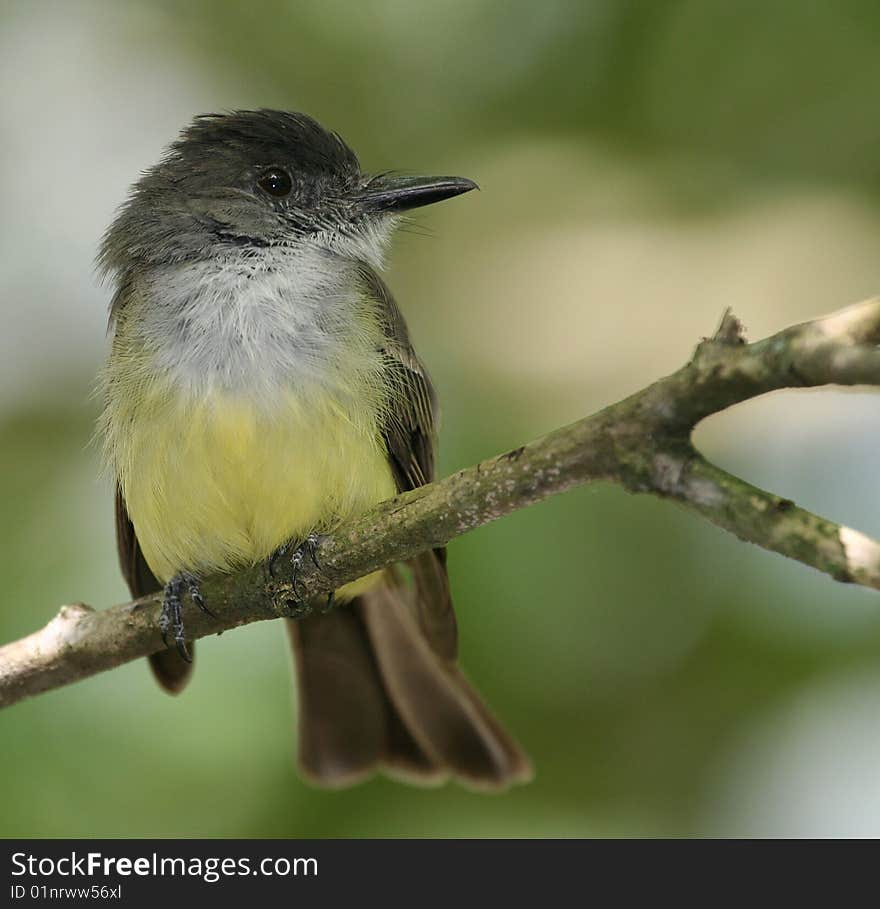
x=275 y=181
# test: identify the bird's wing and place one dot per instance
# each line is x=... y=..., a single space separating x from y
x=409 y=431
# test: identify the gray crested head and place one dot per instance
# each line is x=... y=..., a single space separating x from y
x=245 y=181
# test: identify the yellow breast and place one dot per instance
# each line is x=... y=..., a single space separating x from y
x=222 y=482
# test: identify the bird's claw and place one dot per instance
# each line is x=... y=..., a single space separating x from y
x=297 y=557
x=279 y=553
x=172 y=611
x=331 y=597
x=308 y=547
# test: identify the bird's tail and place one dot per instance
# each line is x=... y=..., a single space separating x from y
x=375 y=695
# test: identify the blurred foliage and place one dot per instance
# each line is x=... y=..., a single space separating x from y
x=754 y=88
x=626 y=644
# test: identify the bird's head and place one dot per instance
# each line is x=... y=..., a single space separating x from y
x=248 y=180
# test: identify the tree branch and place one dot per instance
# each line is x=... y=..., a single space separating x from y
x=641 y=443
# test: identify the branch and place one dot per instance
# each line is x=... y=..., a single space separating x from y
x=641 y=443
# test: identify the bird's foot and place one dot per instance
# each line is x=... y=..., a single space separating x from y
x=297 y=557
x=172 y=613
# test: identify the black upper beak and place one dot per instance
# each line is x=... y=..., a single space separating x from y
x=393 y=193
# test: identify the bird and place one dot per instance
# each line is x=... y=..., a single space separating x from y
x=261 y=387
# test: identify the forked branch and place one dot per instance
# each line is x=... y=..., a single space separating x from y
x=642 y=443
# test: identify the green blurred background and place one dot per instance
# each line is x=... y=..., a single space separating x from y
x=643 y=165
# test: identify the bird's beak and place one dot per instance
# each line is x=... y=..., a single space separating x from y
x=392 y=193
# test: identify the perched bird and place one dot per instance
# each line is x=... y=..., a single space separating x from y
x=261 y=387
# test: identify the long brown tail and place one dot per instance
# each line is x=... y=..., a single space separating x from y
x=374 y=695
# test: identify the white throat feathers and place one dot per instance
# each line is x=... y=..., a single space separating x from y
x=255 y=321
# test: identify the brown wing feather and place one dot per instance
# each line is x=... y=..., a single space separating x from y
x=171 y=672
x=410 y=432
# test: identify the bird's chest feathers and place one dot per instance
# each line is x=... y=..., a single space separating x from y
x=247 y=416
x=256 y=324
x=222 y=483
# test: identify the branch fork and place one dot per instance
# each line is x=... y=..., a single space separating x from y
x=642 y=443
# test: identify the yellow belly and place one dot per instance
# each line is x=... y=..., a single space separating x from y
x=222 y=482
